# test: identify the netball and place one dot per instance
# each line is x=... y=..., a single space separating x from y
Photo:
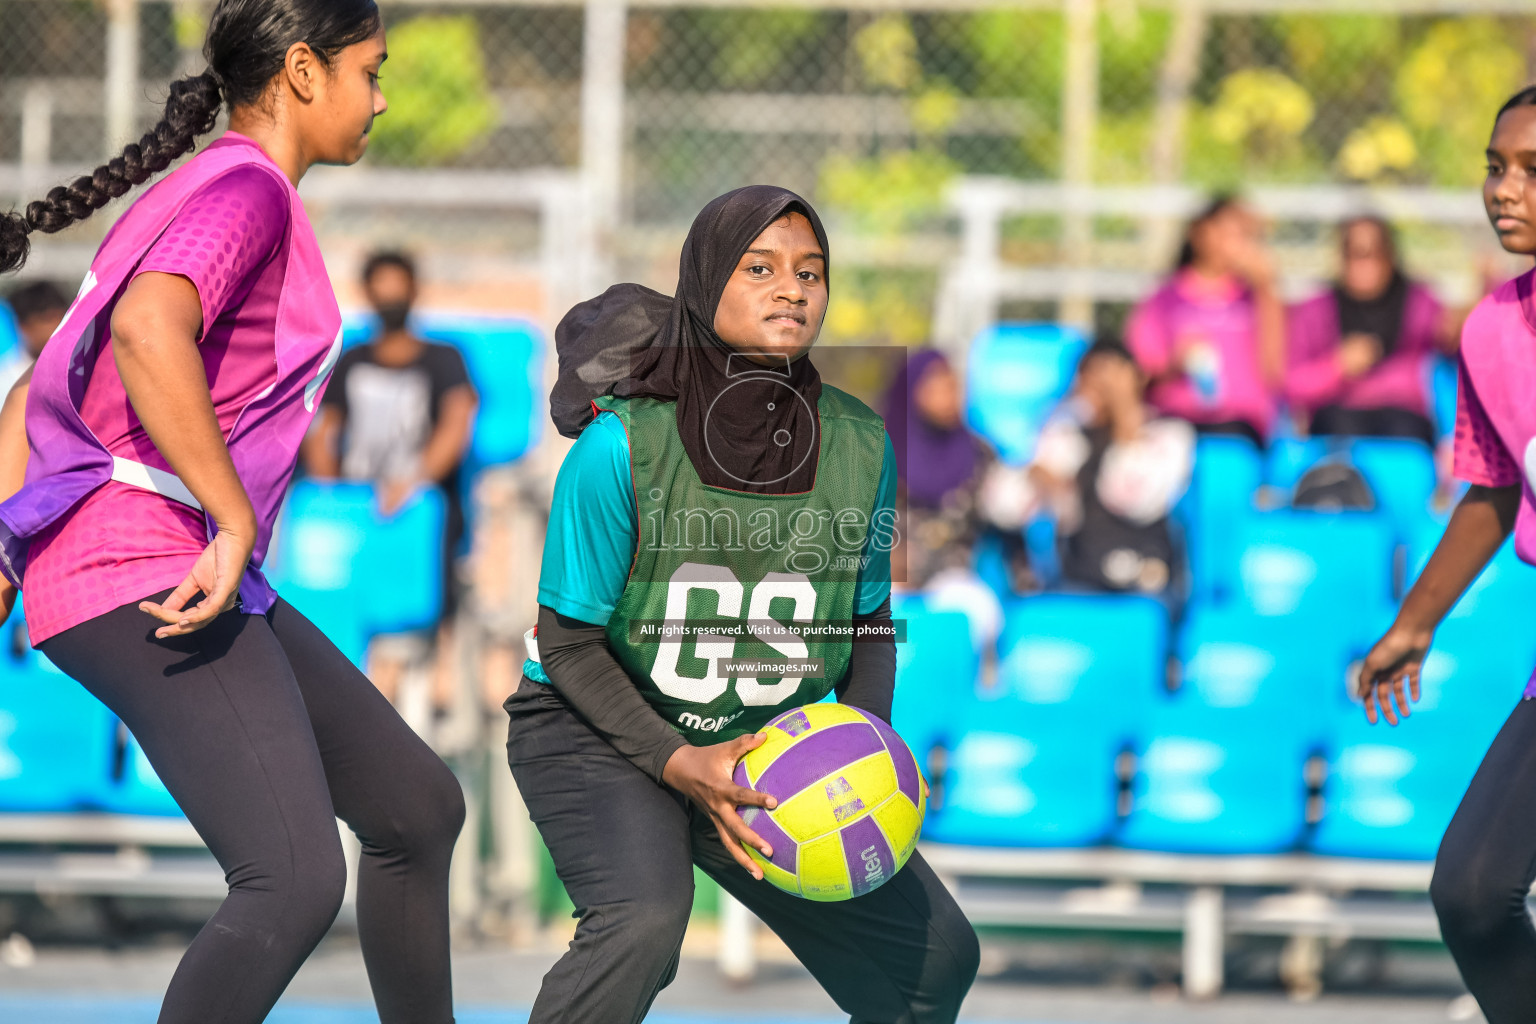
x=850 y=801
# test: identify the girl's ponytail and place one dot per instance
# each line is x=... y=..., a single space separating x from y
x=190 y=111
x=248 y=40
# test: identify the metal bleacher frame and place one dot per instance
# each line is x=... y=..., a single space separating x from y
x=93 y=854
x=1205 y=898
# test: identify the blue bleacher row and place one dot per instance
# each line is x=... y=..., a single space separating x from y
x=1221 y=761
x=353 y=571
x=1282 y=603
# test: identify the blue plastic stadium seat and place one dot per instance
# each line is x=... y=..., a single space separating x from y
x=1444 y=384
x=505 y=357
x=936 y=670
x=404 y=560
x=1290 y=457
x=1314 y=562
x=138 y=790
x=1105 y=652
x=10 y=337
x=317 y=560
x=1218 y=780
x=1226 y=473
x=1402 y=475
x=1232 y=658
x=1390 y=792
x=1029 y=775
x=1015 y=375
x=55 y=738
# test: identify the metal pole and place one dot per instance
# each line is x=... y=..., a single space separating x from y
x=737 y=955
x=36 y=136
x=602 y=117
x=121 y=82
x=1166 y=157
x=1079 y=125
x=1203 y=942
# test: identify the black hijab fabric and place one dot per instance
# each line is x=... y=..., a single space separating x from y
x=745 y=426
x=1381 y=316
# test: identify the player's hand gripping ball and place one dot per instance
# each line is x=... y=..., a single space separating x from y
x=850 y=801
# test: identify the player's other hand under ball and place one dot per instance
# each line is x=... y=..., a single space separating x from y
x=703 y=775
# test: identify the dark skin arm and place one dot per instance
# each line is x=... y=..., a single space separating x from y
x=1478 y=528
x=155 y=330
x=576 y=657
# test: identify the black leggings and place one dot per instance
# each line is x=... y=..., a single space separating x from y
x=1484 y=870
x=625 y=848
x=265 y=733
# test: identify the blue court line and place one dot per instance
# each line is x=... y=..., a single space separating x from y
x=39 y=1008
x=43 y=1008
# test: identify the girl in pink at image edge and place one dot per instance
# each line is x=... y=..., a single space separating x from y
x=1487 y=859
x=157 y=433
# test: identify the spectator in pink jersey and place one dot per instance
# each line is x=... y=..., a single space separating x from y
x=1360 y=352
x=1487 y=859
x=1211 y=340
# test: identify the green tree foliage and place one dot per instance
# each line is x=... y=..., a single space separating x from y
x=440 y=103
x=757 y=49
x=1448 y=89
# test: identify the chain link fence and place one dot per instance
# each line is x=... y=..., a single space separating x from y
x=876 y=111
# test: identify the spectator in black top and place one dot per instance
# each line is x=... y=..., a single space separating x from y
x=1112 y=470
x=39 y=308
x=398 y=410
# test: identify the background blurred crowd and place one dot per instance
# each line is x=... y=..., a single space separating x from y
x=1213 y=350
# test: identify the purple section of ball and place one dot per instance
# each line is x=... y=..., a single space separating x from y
x=901 y=756
x=739 y=776
x=785 y=851
x=817 y=755
x=870 y=860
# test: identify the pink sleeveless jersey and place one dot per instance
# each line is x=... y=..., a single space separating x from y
x=101 y=521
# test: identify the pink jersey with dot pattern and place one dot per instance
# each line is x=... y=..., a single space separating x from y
x=122 y=543
x=1495 y=441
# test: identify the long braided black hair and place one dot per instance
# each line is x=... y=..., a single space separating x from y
x=247 y=43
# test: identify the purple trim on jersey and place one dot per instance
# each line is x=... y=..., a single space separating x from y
x=818 y=755
x=901 y=757
x=785 y=853
x=66 y=461
x=870 y=860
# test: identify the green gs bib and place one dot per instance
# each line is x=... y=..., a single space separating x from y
x=727 y=585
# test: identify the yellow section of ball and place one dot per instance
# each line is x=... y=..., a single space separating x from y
x=849 y=792
x=901 y=823
x=824 y=870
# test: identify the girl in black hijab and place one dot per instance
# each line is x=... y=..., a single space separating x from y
x=713 y=471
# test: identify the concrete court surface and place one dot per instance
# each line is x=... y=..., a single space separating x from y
x=87 y=985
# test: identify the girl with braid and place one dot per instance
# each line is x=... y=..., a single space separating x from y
x=162 y=425
x=715 y=477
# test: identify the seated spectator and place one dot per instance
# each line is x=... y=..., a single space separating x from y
x=1112 y=470
x=398 y=412
x=39 y=308
x=1360 y=351
x=1212 y=339
x=940 y=463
